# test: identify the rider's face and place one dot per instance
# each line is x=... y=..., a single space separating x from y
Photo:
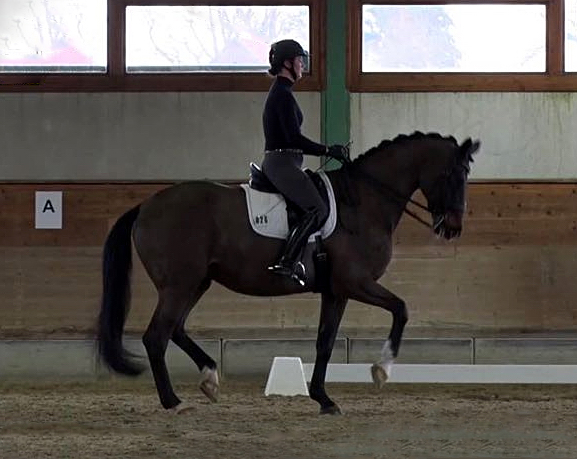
x=299 y=66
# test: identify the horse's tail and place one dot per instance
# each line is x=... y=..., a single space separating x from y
x=116 y=269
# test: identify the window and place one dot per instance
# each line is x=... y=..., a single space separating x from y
x=490 y=45
x=454 y=38
x=571 y=35
x=153 y=45
x=209 y=38
x=53 y=36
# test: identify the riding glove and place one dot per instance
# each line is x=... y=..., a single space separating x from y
x=339 y=152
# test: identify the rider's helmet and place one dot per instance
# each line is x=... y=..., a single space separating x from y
x=285 y=50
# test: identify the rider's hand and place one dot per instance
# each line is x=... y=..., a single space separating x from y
x=339 y=152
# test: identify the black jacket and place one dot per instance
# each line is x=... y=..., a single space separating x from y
x=282 y=119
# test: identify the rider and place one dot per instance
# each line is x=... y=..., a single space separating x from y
x=284 y=150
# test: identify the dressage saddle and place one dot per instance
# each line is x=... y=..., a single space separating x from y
x=259 y=181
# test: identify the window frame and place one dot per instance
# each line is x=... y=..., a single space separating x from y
x=117 y=79
x=553 y=79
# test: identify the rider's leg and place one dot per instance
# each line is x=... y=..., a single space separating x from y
x=285 y=173
x=289 y=263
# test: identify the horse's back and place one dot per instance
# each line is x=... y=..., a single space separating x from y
x=188 y=210
x=191 y=196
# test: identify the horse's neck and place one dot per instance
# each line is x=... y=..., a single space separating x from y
x=397 y=169
x=393 y=180
x=398 y=172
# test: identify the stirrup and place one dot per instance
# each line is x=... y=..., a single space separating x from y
x=297 y=272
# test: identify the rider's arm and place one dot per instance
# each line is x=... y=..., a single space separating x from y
x=287 y=111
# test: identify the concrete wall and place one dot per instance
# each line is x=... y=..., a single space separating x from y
x=136 y=136
x=175 y=136
x=76 y=359
x=524 y=135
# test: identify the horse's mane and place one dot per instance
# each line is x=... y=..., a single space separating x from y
x=400 y=139
x=346 y=191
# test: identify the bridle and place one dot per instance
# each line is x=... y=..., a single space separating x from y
x=390 y=192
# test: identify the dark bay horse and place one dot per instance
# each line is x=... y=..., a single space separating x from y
x=193 y=233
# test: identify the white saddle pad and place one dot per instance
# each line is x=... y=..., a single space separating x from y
x=268 y=216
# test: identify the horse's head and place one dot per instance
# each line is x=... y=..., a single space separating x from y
x=444 y=185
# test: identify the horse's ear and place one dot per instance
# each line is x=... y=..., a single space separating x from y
x=469 y=148
x=474 y=147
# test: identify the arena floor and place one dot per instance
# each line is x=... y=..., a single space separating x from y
x=123 y=419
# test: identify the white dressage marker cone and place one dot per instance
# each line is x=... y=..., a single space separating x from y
x=286 y=377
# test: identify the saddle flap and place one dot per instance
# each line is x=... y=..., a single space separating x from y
x=270 y=214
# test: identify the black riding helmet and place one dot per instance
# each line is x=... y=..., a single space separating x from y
x=285 y=50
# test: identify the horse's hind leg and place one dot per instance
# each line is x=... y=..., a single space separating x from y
x=209 y=383
x=172 y=305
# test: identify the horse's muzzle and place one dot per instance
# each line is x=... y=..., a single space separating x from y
x=448 y=225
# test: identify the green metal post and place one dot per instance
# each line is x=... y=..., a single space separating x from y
x=335 y=102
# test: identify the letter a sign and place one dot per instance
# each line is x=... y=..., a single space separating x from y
x=48 y=210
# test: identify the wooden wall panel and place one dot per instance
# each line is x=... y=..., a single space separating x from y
x=510 y=214
x=513 y=269
x=89 y=210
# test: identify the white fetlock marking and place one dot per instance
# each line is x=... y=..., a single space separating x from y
x=210 y=375
x=209 y=383
x=381 y=371
x=387 y=358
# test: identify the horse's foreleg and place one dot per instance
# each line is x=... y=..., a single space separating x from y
x=331 y=314
x=167 y=315
x=375 y=294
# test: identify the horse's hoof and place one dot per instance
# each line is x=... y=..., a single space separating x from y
x=333 y=409
x=182 y=408
x=209 y=384
x=209 y=389
x=379 y=375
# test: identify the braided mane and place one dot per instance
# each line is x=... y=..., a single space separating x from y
x=400 y=139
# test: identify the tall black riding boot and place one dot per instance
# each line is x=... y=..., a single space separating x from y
x=289 y=265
